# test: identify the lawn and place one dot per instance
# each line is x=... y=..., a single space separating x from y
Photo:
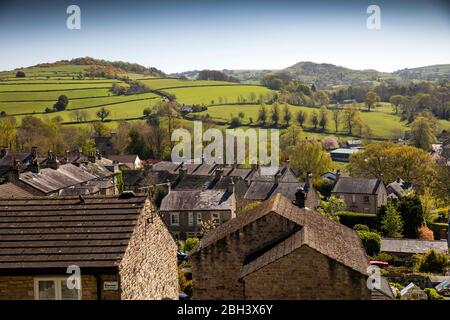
x=214 y=95
x=383 y=123
x=117 y=111
x=170 y=83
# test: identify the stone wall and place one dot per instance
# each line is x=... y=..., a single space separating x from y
x=306 y=274
x=22 y=287
x=149 y=267
x=216 y=269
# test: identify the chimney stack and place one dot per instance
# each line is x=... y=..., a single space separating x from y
x=98 y=155
x=300 y=197
x=338 y=174
x=52 y=161
x=33 y=166
x=34 y=152
x=14 y=171
x=91 y=157
x=276 y=177
x=231 y=187
x=182 y=171
x=218 y=172
x=308 y=183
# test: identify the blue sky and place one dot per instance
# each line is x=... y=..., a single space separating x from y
x=184 y=35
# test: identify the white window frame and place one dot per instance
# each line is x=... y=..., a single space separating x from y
x=215 y=216
x=175 y=214
x=58 y=289
x=199 y=218
x=190 y=218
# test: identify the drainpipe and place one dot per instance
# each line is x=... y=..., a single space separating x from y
x=99 y=287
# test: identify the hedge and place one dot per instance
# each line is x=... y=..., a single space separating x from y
x=436 y=228
x=371 y=242
x=350 y=219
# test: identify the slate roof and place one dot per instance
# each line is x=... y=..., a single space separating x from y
x=10 y=190
x=197 y=200
x=166 y=166
x=328 y=237
x=412 y=246
x=9 y=158
x=53 y=233
x=51 y=180
x=132 y=177
x=356 y=185
x=399 y=186
x=124 y=158
x=262 y=190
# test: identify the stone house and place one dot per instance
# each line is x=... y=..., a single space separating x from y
x=131 y=161
x=280 y=251
x=119 y=243
x=284 y=182
x=396 y=189
x=359 y=194
x=54 y=177
x=185 y=211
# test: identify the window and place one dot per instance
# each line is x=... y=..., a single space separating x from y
x=175 y=219
x=54 y=289
x=199 y=218
x=353 y=198
x=366 y=199
x=190 y=218
x=215 y=217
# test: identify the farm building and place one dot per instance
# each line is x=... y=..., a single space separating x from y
x=342 y=154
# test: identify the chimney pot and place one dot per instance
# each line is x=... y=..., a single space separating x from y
x=300 y=197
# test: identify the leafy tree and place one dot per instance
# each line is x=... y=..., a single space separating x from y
x=103 y=114
x=262 y=115
x=275 y=114
x=432 y=262
x=371 y=242
x=392 y=223
x=322 y=98
x=147 y=112
x=136 y=144
x=410 y=209
x=396 y=101
x=392 y=161
x=101 y=129
x=371 y=99
x=241 y=115
x=309 y=156
x=62 y=103
x=235 y=122
x=272 y=82
x=331 y=206
x=323 y=117
x=190 y=243
x=315 y=119
x=7 y=131
x=422 y=135
x=301 y=117
x=336 y=114
x=350 y=117
x=290 y=137
x=20 y=74
x=287 y=115
x=430 y=204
